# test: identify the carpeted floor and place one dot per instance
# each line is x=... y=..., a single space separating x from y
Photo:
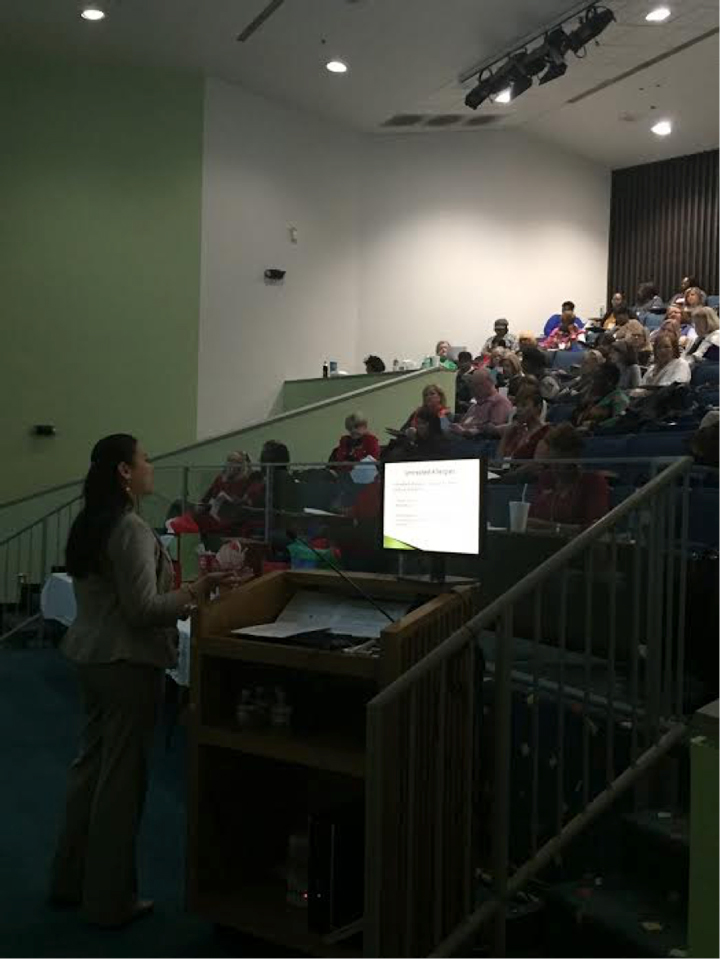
x=39 y=724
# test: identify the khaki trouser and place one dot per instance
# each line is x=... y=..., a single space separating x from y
x=95 y=859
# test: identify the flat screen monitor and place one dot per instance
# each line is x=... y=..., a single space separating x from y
x=434 y=506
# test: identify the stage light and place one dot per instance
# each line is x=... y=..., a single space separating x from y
x=591 y=26
x=557 y=44
x=662 y=128
x=480 y=93
x=553 y=72
x=336 y=66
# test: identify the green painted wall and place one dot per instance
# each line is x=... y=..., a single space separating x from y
x=704 y=838
x=100 y=202
x=297 y=393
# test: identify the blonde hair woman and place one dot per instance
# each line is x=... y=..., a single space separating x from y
x=706 y=347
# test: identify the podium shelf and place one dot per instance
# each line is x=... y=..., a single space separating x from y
x=323 y=751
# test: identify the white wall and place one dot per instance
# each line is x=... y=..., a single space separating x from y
x=402 y=241
x=265 y=169
x=460 y=229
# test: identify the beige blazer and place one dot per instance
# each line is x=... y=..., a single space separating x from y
x=128 y=612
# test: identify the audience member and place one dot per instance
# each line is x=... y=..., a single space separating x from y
x=620 y=318
x=685 y=284
x=526 y=340
x=494 y=364
x=373 y=364
x=434 y=401
x=534 y=363
x=604 y=342
x=694 y=297
x=623 y=355
x=668 y=366
x=488 y=410
x=639 y=338
x=511 y=374
x=618 y=303
x=565 y=335
x=431 y=441
x=677 y=321
x=520 y=439
x=442 y=350
x=284 y=488
x=566 y=499
x=607 y=401
x=501 y=338
x=648 y=299
x=568 y=311
x=706 y=347
x=357 y=443
x=463 y=394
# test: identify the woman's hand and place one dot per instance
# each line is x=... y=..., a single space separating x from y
x=204 y=585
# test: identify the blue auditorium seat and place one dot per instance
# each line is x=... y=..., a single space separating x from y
x=606 y=447
x=653 y=321
x=706 y=374
x=659 y=443
x=565 y=359
x=713 y=301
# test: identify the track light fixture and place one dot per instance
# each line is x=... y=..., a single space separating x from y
x=595 y=20
x=546 y=61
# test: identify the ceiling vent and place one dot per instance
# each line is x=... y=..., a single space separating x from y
x=405 y=120
x=482 y=120
x=444 y=120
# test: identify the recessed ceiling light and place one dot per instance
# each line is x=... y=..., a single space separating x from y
x=504 y=96
x=92 y=12
x=658 y=14
x=662 y=128
x=336 y=66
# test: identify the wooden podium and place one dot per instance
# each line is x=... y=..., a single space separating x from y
x=250 y=789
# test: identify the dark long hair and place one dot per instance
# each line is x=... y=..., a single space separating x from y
x=105 y=502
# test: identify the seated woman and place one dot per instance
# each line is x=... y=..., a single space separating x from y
x=433 y=401
x=668 y=366
x=566 y=499
x=677 y=321
x=525 y=340
x=284 y=487
x=607 y=402
x=520 y=439
x=442 y=349
x=706 y=348
x=639 y=337
x=565 y=336
x=218 y=507
x=358 y=443
x=622 y=355
x=510 y=375
x=694 y=297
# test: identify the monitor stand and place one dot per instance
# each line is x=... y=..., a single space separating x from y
x=437 y=572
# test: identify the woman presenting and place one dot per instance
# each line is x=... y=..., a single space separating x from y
x=121 y=642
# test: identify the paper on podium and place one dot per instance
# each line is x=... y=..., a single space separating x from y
x=308 y=612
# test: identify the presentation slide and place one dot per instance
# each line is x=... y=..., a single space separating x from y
x=433 y=506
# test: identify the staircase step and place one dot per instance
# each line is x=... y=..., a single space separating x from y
x=656 y=850
x=611 y=917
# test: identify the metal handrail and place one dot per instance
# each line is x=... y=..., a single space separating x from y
x=39 y=521
x=530 y=582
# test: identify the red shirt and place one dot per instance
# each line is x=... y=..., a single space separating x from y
x=351 y=450
x=581 y=504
